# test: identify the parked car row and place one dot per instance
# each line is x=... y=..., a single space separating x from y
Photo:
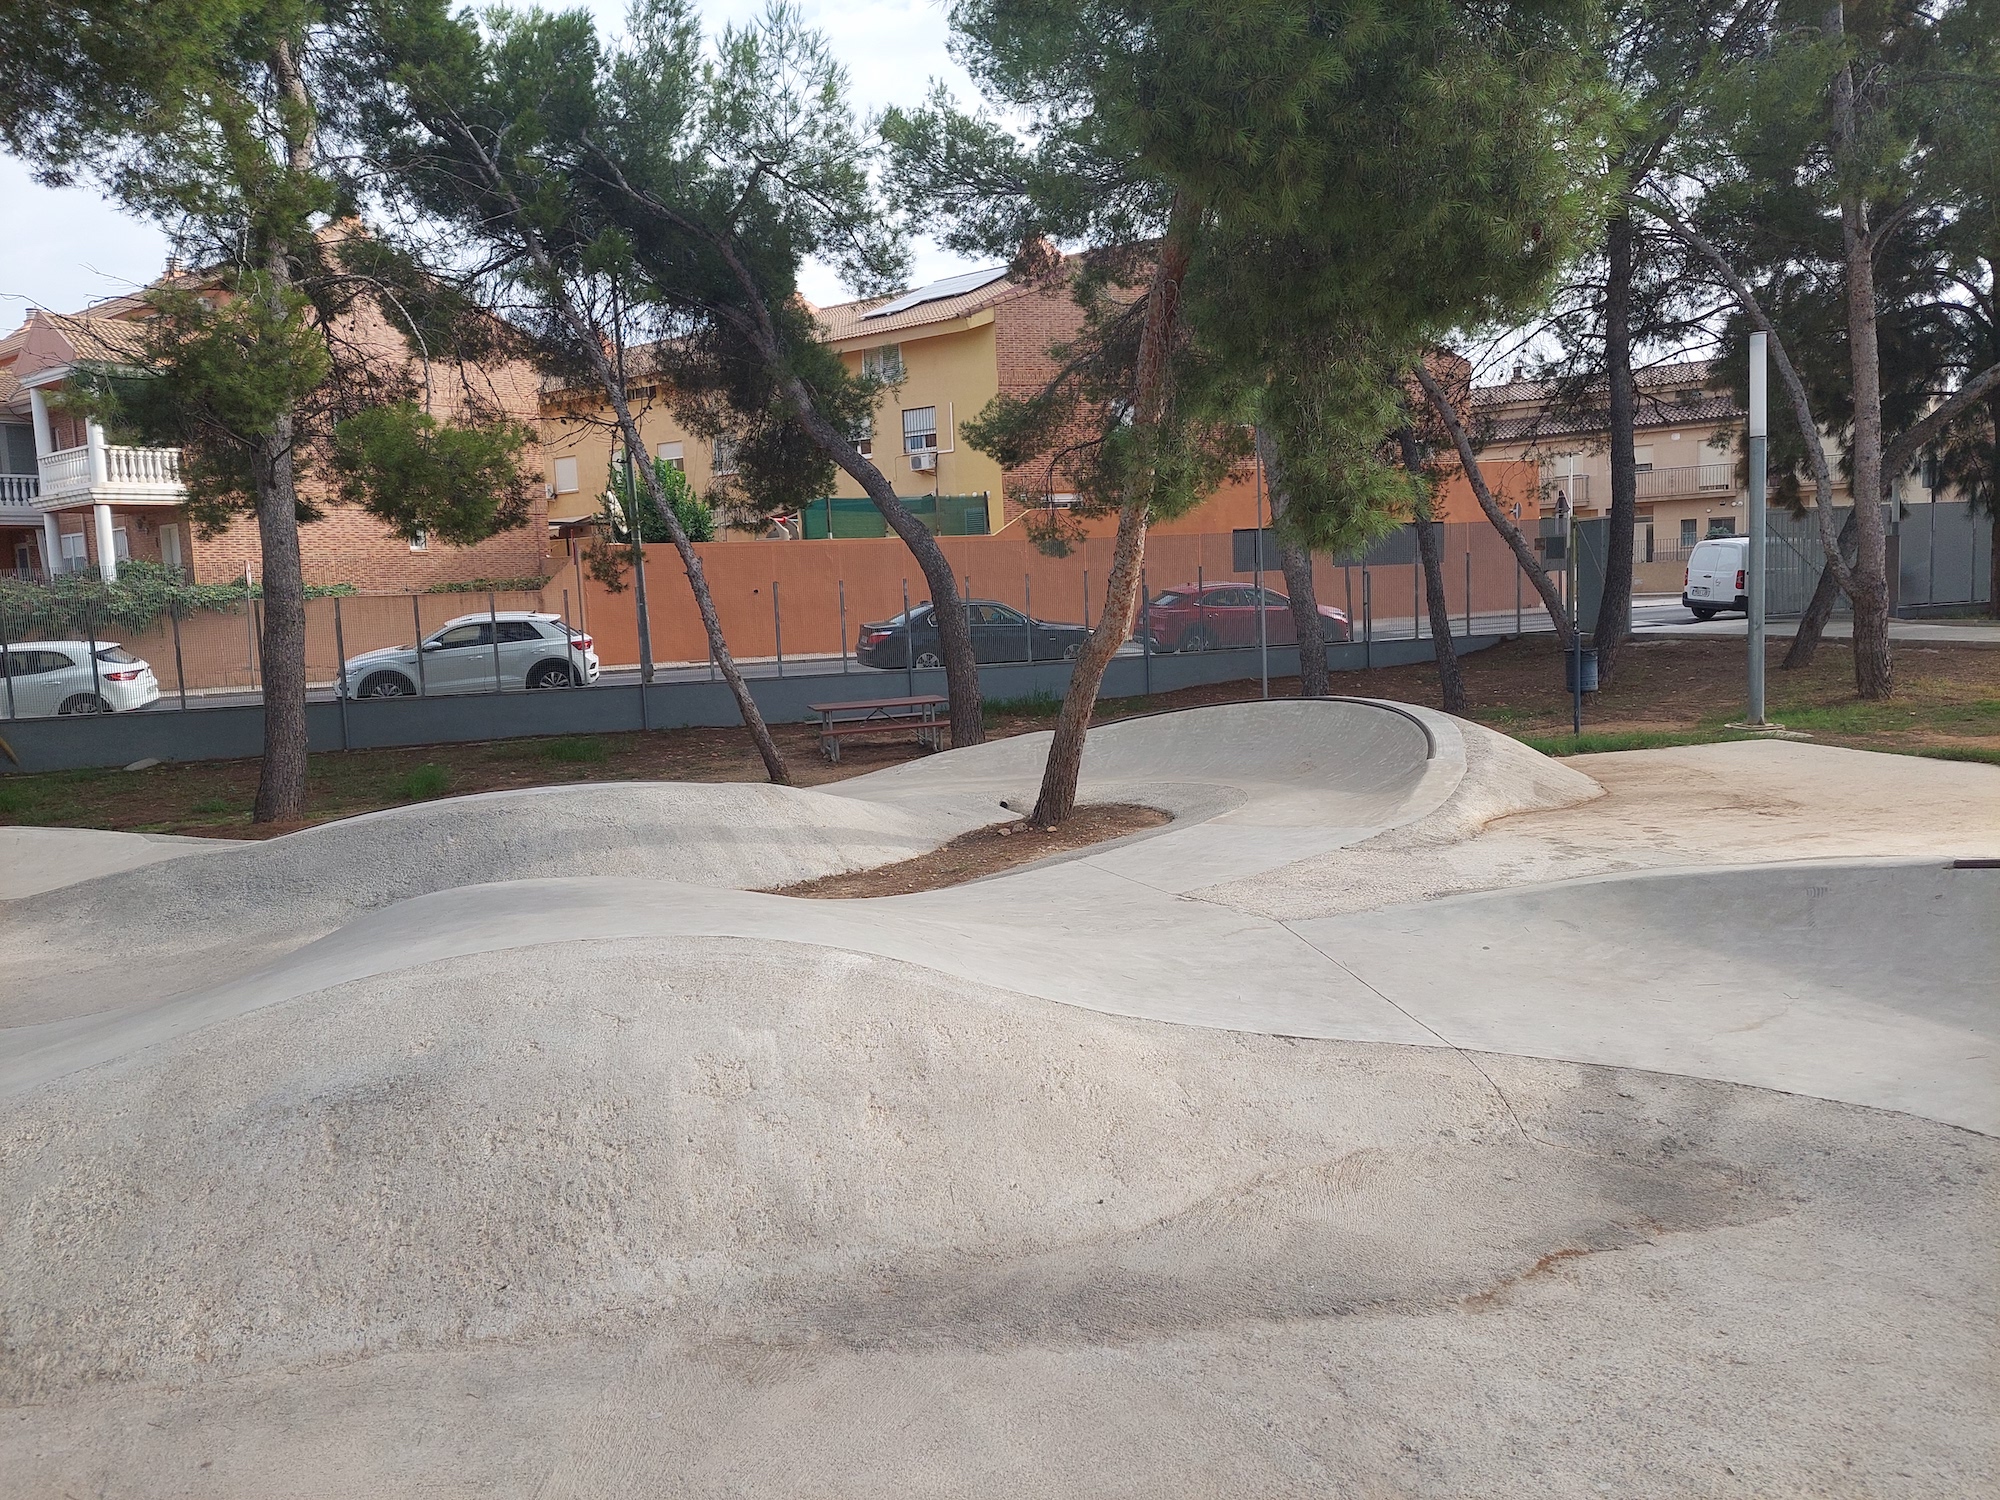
x=1187 y=617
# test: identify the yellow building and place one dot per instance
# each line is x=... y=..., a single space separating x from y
x=945 y=349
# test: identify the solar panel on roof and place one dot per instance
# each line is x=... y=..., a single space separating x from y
x=951 y=286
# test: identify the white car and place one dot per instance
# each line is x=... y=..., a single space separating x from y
x=59 y=677
x=1716 y=572
x=535 y=651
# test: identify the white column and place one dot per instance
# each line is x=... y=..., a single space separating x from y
x=51 y=544
x=107 y=547
x=45 y=442
x=100 y=473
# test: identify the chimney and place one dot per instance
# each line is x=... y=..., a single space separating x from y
x=1520 y=372
x=173 y=266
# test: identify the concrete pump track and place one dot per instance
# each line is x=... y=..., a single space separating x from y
x=1412 y=1115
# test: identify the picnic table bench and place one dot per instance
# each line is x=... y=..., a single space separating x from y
x=879 y=716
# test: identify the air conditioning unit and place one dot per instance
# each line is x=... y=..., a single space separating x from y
x=924 y=462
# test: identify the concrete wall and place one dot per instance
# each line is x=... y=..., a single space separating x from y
x=236 y=733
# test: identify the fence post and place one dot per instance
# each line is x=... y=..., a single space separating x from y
x=250 y=624
x=1367 y=619
x=1028 y=609
x=1468 y=596
x=7 y=666
x=96 y=680
x=577 y=676
x=1517 y=598
x=1086 y=598
x=340 y=677
x=1200 y=607
x=1416 y=580
x=180 y=672
x=1146 y=629
x=1347 y=579
x=493 y=625
x=778 y=627
x=909 y=646
x=417 y=620
x=841 y=585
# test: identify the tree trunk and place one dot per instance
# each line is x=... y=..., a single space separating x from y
x=711 y=623
x=961 y=666
x=1614 y=609
x=1057 y=799
x=1451 y=679
x=1819 y=609
x=1993 y=510
x=1874 y=675
x=1524 y=555
x=1297 y=566
x=281 y=780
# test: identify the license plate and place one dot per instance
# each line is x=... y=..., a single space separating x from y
x=1701 y=591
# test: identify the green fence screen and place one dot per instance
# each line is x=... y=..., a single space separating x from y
x=947 y=515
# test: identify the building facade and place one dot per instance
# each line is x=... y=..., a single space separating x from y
x=71 y=499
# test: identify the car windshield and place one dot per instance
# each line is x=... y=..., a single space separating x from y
x=116 y=655
x=1170 y=597
x=919 y=613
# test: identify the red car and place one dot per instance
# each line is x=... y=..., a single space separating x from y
x=1223 y=616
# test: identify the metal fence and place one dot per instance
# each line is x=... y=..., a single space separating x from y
x=787 y=609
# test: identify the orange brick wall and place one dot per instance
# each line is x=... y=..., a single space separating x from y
x=351 y=546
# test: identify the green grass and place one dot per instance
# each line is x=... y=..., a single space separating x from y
x=424 y=782
x=1589 y=743
x=1982 y=754
x=575 y=751
x=1035 y=705
x=13 y=799
x=208 y=806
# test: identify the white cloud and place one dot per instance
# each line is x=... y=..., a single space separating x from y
x=66 y=248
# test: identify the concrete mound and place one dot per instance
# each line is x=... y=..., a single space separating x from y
x=219 y=912
x=631 y=1202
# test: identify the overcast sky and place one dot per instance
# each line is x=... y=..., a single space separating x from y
x=66 y=249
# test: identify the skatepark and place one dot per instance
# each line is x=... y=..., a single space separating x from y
x=1412 y=1114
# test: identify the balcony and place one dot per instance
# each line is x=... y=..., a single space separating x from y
x=17 y=498
x=1687 y=481
x=109 y=474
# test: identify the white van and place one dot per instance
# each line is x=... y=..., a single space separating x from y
x=1716 y=573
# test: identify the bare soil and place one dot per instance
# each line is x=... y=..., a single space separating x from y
x=1667 y=691
x=984 y=851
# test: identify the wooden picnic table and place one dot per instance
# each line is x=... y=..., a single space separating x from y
x=878 y=716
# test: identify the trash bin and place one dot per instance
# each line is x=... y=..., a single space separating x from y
x=1580 y=664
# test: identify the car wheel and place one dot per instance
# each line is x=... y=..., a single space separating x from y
x=387 y=685
x=551 y=674
x=929 y=659
x=1701 y=614
x=1198 y=639
x=84 y=703
x=1073 y=650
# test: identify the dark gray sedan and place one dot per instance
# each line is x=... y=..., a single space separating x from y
x=999 y=633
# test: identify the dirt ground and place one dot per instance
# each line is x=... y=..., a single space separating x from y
x=1670 y=691
x=984 y=851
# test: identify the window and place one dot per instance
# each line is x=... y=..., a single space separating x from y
x=883 y=363
x=75 y=552
x=1642 y=458
x=121 y=545
x=725 y=456
x=1688 y=524
x=420 y=540
x=674 y=456
x=518 y=630
x=35 y=663
x=566 y=476
x=170 y=545
x=864 y=436
x=461 y=636
x=17 y=448
x=920 y=430
x=1722 y=526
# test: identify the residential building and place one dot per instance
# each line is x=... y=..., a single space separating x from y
x=1691 y=481
x=947 y=349
x=71 y=498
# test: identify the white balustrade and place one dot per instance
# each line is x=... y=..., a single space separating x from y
x=133 y=472
x=19 y=489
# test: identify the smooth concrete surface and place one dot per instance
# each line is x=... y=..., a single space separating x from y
x=1413 y=1115
x=33 y=860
